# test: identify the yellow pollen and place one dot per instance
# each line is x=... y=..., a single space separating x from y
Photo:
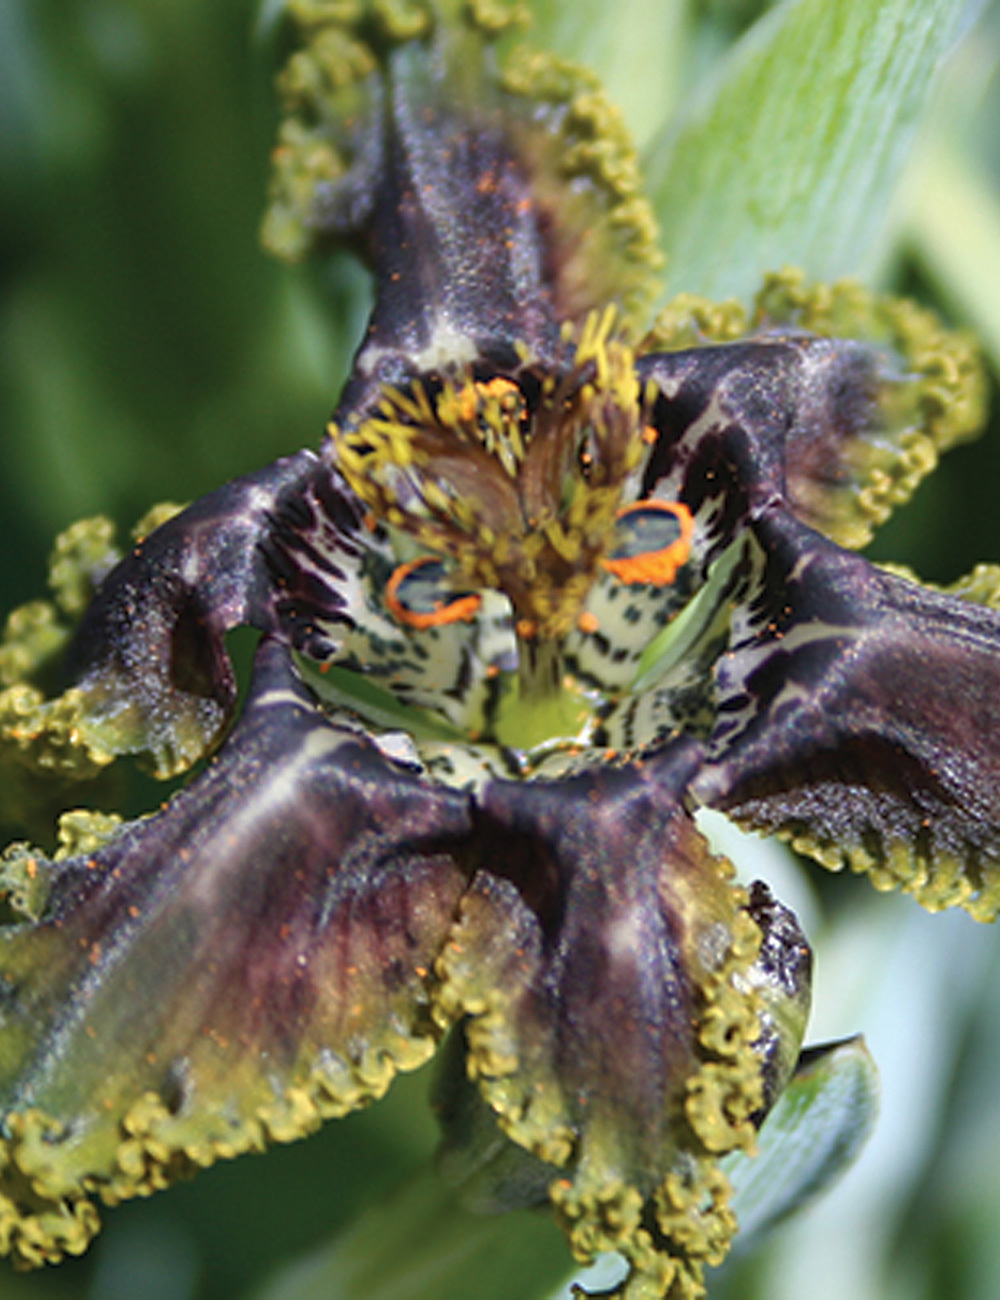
x=512 y=481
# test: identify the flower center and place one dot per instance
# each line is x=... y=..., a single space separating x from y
x=514 y=483
x=528 y=579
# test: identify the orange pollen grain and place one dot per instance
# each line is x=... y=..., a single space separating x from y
x=588 y=622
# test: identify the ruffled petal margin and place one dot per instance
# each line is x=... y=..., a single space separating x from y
x=222 y=975
x=605 y=966
x=879 y=389
x=151 y=672
x=859 y=716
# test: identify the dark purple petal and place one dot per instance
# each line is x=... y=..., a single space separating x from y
x=598 y=958
x=495 y=198
x=877 y=390
x=742 y=424
x=859 y=714
x=280 y=550
x=251 y=959
x=451 y=212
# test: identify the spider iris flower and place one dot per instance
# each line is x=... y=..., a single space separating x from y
x=548 y=586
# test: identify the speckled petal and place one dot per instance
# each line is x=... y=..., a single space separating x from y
x=224 y=974
x=151 y=670
x=596 y=959
x=882 y=389
x=859 y=715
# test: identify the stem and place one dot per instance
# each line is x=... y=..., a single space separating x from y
x=539 y=707
x=539 y=668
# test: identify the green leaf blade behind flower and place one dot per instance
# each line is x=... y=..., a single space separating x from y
x=439 y=1252
x=637 y=48
x=814 y=1133
x=952 y=229
x=791 y=156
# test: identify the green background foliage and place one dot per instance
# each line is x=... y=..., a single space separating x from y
x=149 y=351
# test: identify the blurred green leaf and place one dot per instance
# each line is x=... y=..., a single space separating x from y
x=791 y=154
x=637 y=47
x=421 y=1245
x=815 y=1131
x=953 y=230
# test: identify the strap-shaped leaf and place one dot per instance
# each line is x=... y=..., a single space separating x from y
x=817 y=1128
x=790 y=154
x=440 y=1251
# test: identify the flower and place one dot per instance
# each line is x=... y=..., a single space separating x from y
x=546 y=587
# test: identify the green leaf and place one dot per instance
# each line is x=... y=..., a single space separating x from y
x=791 y=154
x=421 y=1245
x=635 y=46
x=815 y=1131
x=952 y=227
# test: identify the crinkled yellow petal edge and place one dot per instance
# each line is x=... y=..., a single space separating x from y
x=48 y=1210
x=939 y=398
x=574 y=136
x=937 y=880
x=55 y=737
x=670 y=1232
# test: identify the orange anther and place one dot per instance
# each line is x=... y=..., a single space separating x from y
x=498 y=386
x=462 y=609
x=655 y=568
